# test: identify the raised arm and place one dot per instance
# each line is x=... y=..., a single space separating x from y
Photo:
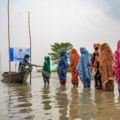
x=34 y=65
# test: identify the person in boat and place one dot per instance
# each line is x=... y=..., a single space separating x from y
x=46 y=72
x=95 y=66
x=73 y=63
x=107 y=74
x=25 y=62
x=83 y=68
x=62 y=67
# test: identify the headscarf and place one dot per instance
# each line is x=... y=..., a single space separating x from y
x=63 y=64
x=83 y=68
x=97 y=51
x=46 y=68
x=74 y=59
x=106 y=61
x=97 y=45
x=94 y=60
x=116 y=62
x=106 y=53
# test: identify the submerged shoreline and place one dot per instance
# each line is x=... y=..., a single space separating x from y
x=36 y=101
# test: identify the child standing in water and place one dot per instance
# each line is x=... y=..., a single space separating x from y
x=46 y=70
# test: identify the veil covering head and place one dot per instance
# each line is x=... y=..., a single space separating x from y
x=73 y=63
x=116 y=62
x=83 y=68
x=63 y=64
x=46 y=72
x=106 y=61
x=74 y=59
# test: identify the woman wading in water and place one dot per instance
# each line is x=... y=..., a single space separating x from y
x=95 y=66
x=73 y=63
x=107 y=74
x=62 y=67
x=46 y=70
x=84 y=69
x=116 y=65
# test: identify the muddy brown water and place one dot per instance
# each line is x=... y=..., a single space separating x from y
x=39 y=102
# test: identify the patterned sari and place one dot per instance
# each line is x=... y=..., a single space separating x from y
x=73 y=63
x=95 y=66
x=62 y=67
x=83 y=68
x=116 y=65
x=106 y=60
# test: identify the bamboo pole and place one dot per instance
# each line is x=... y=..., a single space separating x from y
x=0 y=64
x=15 y=65
x=9 y=45
x=30 y=40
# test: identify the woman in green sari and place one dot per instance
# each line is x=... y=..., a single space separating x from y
x=46 y=70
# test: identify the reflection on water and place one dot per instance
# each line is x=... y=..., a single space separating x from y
x=46 y=98
x=104 y=105
x=116 y=116
x=107 y=104
x=39 y=102
x=74 y=105
x=62 y=99
x=85 y=104
x=18 y=101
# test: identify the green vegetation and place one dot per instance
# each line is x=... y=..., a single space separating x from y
x=90 y=54
x=56 y=48
x=68 y=70
x=39 y=70
x=54 y=70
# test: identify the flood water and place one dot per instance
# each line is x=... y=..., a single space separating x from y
x=39 y=102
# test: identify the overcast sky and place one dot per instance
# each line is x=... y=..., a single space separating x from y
x=80 y=22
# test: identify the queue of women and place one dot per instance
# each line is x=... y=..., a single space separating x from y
x=103 y=67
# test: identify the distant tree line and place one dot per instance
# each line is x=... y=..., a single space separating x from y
x=55 y=54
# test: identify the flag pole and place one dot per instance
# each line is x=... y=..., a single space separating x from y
x=9 y=45
x=30 y=40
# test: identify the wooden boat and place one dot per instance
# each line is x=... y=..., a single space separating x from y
x=16 y=77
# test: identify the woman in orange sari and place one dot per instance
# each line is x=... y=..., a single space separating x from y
x=107 y=74
x=73 y=63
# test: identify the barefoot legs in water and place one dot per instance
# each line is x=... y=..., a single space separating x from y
x=63 y=84
x=75 y=85
x=45 y=84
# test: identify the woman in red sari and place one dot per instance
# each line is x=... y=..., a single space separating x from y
x=73 y=63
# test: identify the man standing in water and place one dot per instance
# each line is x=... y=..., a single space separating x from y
x=25 y=62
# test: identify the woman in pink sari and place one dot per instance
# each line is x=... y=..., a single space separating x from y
x=116 y=65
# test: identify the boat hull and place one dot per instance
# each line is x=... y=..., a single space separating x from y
x=18 y=77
